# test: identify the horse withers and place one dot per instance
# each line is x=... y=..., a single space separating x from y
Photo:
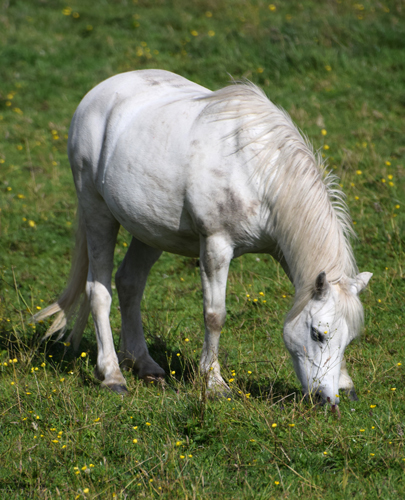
x=212 y=175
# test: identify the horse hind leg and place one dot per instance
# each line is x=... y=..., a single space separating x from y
x=101 y=233
x=131 y=280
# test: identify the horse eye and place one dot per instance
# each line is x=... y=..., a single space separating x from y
x=317 y=335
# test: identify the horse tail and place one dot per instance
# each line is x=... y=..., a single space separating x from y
x=74 y=296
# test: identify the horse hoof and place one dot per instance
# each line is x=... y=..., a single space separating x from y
x=153 y=380
x=117 y=388
x=351 y=394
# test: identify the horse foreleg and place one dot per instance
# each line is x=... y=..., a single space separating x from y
x=215 y=256
x=346 y=383
x=131 y=280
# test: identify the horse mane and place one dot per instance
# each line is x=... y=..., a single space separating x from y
x=309 y=217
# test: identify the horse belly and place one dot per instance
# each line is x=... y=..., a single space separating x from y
x=145 y=181
x=155 y=217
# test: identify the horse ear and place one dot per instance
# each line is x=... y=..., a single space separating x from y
x=321 y=285
x=360 y=282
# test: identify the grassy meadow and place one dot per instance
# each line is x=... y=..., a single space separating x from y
x=338 y=68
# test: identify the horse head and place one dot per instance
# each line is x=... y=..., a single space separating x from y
x=318 y=335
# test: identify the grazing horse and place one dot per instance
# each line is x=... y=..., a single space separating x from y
x=212 y=175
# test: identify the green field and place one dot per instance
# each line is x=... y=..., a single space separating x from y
x=338 y=67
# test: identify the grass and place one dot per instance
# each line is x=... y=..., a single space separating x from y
x=335 y=66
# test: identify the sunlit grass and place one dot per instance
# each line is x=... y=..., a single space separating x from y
x=337 y=68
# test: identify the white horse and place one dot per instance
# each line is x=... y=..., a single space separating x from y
x=212 y=175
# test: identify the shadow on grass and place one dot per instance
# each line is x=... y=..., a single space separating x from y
x=179 y=366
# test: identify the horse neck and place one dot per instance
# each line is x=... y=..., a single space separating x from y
x=311 y=241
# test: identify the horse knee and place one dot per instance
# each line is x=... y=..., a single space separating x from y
x=214 y=321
